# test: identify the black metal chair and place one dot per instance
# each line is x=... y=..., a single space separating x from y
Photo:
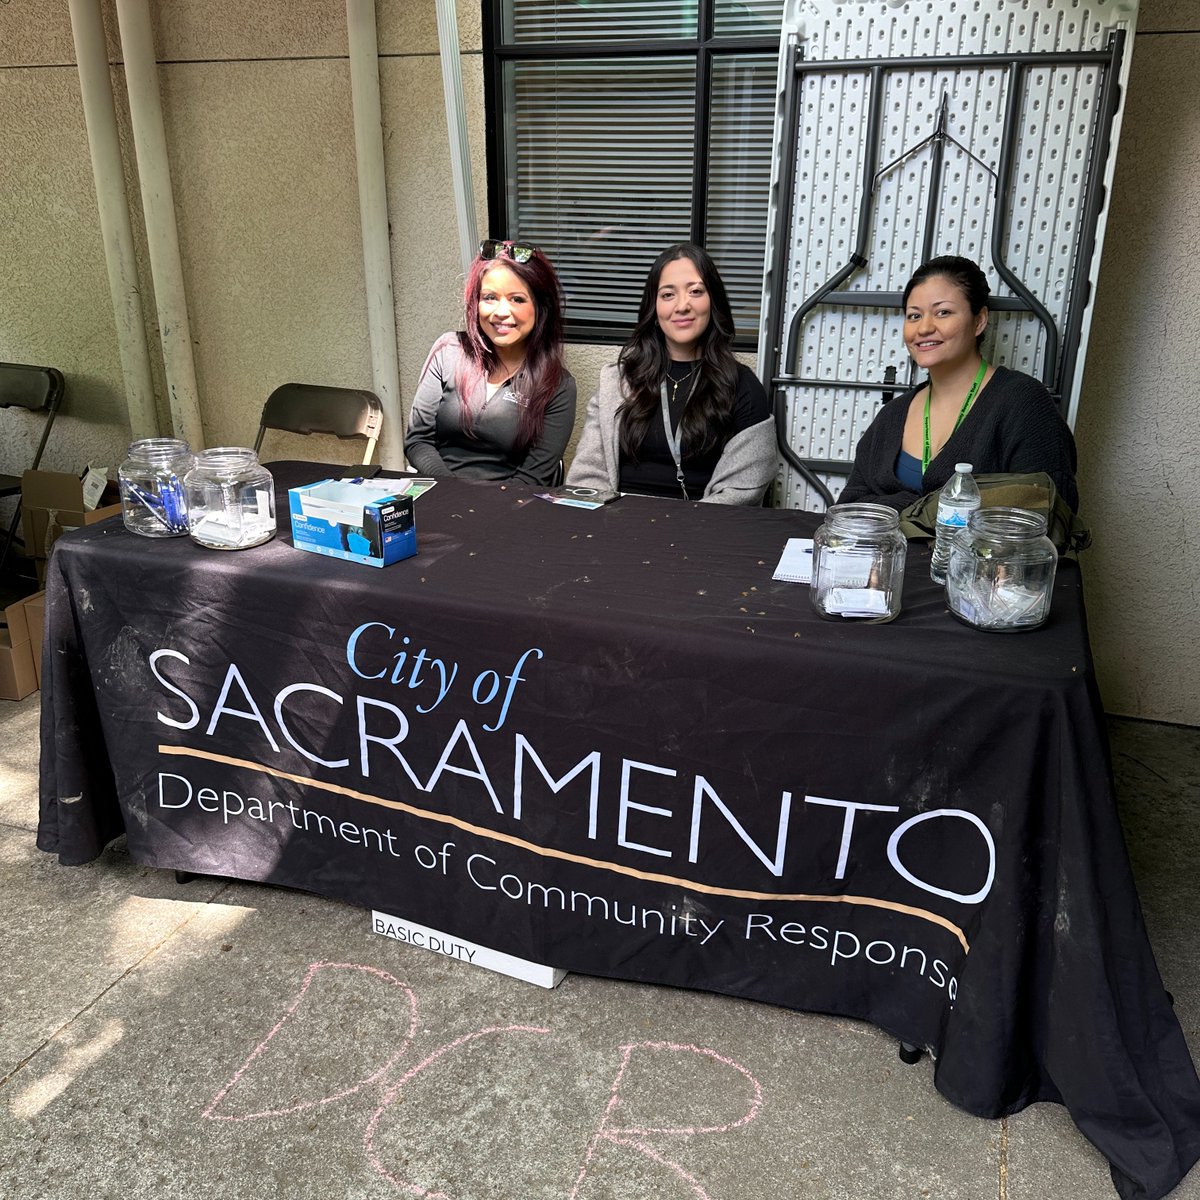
x=39 y=390
x=309 y=408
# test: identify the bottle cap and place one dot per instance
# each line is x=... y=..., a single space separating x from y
x=964 y=468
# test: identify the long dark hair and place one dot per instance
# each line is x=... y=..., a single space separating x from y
x=542 y=371
x=966 y=275
x=708 y=415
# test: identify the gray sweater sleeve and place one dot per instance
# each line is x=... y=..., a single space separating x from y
x=746 y=466
x=596 y=461
x=420 y=442
x=540 y=464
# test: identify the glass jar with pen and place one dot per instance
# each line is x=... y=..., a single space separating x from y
x=230 y=499
x=153 y=503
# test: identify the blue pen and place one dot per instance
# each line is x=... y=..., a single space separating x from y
x=167 y=515
x=174 y=505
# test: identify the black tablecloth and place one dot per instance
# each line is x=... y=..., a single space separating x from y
x=607 y=741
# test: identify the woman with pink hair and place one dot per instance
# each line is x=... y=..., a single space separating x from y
x=495 y=401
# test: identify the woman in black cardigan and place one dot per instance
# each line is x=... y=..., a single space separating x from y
x=968 y=411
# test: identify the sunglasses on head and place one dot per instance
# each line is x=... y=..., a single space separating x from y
x=493 y=248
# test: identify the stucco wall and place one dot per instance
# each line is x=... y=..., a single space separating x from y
x=257 y=109
x=1138 y=429
x=257 y=113
x=54 y=303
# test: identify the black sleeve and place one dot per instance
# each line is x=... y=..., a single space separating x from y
x=752 y=404
x=873 y=476
x=1042 y=441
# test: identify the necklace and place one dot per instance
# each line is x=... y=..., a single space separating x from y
x=962 y=412
x=687 y=378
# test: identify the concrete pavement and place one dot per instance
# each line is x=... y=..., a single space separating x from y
x=236 y=1040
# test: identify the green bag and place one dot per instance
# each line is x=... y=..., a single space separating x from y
x=1034 y=491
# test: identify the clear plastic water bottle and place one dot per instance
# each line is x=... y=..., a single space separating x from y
x=959 y=499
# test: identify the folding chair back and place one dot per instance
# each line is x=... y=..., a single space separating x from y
x=40 y=390
x=307 y=408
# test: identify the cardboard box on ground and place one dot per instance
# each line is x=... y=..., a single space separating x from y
x=21 y=648
x=55 y=501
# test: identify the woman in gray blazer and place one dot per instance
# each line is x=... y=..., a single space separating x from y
x=677 y=415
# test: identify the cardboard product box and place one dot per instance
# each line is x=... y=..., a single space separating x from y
x=369 y=521
x=14 y=620
x=18 y=675
x=55 y=501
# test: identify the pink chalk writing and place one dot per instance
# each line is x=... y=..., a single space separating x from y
x=608 y=1131
x=611 y=1130
x=404 y=1185
x=211 y=1111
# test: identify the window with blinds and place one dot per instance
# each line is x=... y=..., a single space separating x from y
x=617 y=127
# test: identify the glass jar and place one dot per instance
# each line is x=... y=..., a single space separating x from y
x=858 y=563
x=231 y=499
x=1001 y=571
x=151 y=478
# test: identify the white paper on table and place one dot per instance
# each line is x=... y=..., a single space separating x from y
x=856 y=602
x=795 y=564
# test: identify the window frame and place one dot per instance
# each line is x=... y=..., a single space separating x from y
x=705 y=46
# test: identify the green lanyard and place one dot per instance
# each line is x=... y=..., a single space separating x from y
x=962 y=412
